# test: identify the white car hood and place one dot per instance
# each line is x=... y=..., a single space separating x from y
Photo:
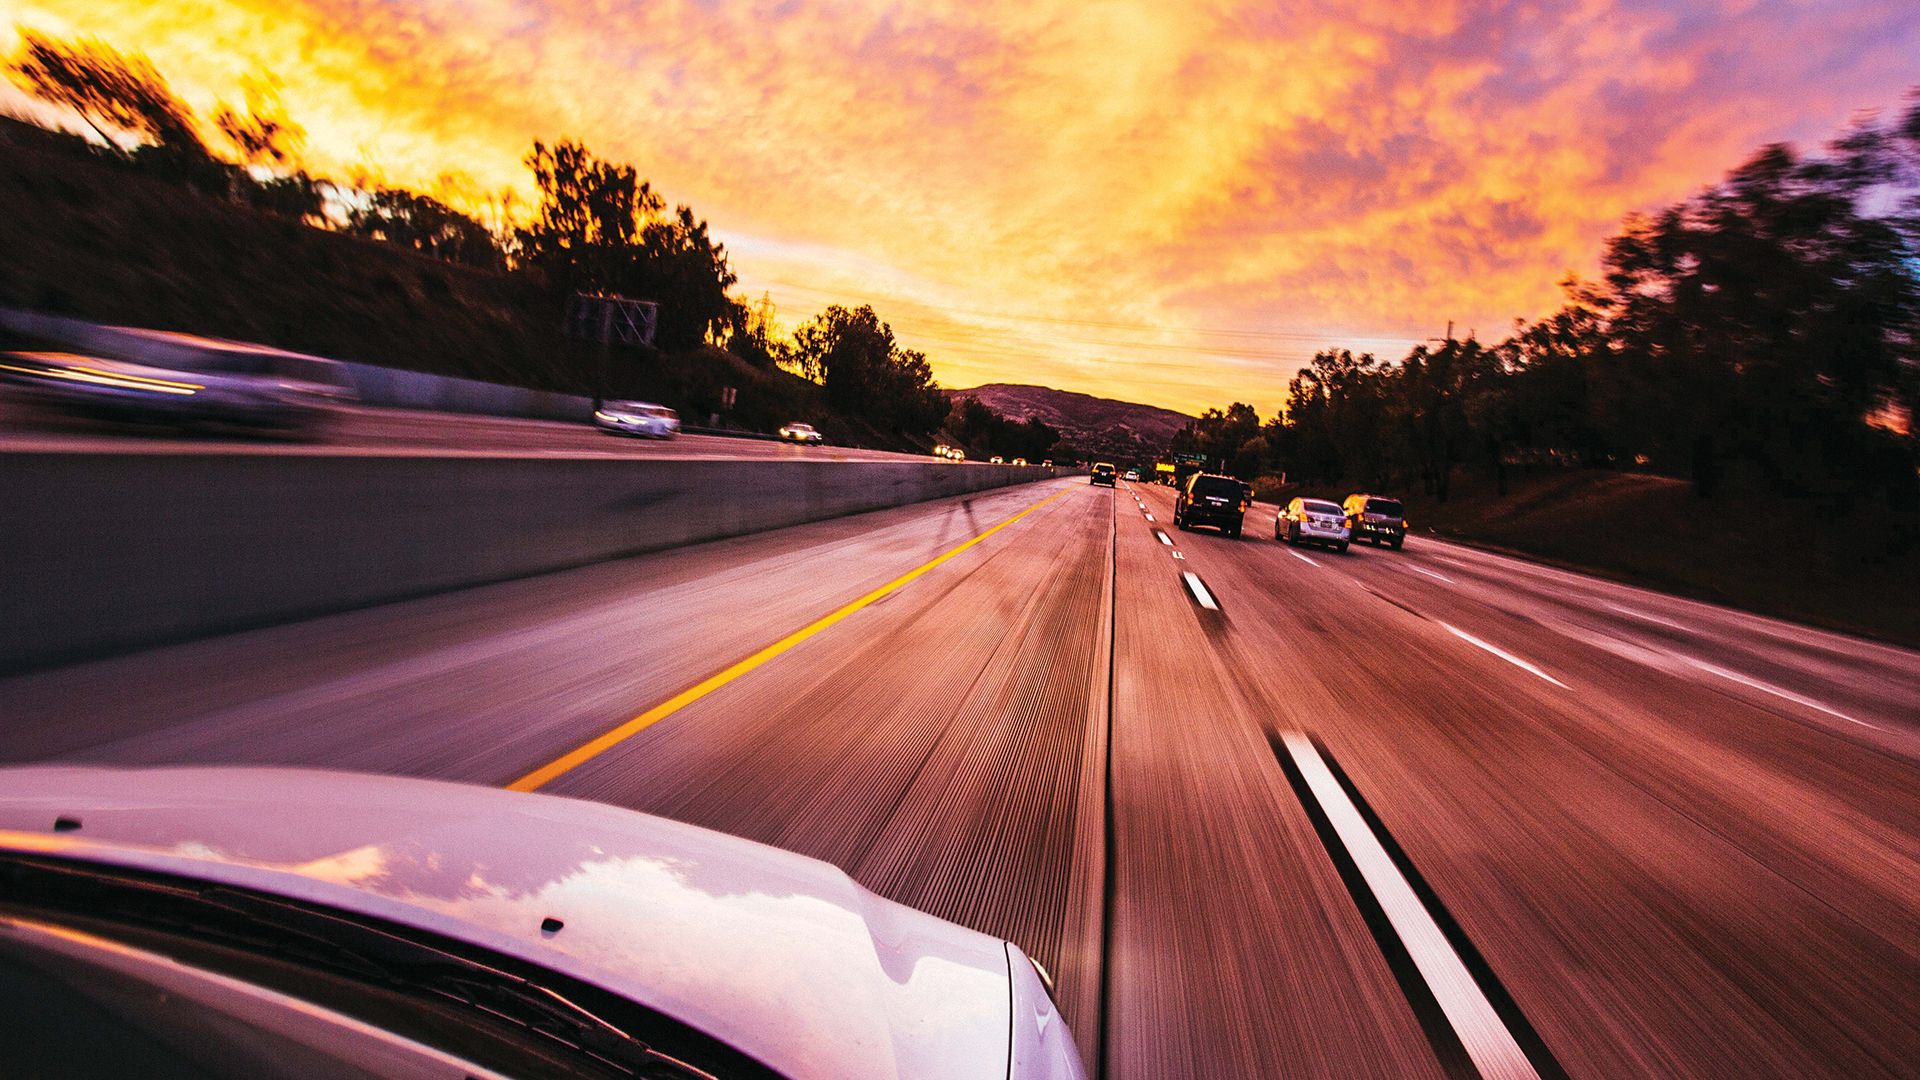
x=782 y=956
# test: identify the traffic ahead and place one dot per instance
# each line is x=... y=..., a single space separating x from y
x=1425 y=815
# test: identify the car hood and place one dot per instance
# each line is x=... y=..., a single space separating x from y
x=782 y=956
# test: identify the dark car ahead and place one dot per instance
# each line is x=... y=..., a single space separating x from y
x=1102 y=474
x=1219 y=501
x=1376 y=520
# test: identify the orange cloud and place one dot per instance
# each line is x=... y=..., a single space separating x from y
x=1067 y=192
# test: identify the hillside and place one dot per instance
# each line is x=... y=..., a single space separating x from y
x=1650 y=530
x=96 y=239
x=1121 y=431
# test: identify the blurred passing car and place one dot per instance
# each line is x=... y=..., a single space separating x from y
x=801 y=433
x=1376 y=520
x=637 y=418
x=280 y=923
x=995 y=460
x=1133 y=474
x=1102 y=474
x=1313 y=521
x=1207 y=499
x=1019 y=461
x=103 y=389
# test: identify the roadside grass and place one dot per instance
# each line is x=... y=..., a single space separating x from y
x=1758 y=552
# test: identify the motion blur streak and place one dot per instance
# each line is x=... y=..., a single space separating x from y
x=1502 y=654
x=1670 y=874
x=1487 y=1041
x=570 y=760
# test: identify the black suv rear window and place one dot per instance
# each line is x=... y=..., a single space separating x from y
x=1217 y=486
x=1389 y=507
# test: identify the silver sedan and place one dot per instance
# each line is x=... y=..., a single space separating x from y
x=637 y=418
x=1313 y=521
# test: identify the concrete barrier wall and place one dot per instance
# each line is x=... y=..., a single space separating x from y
x=444 y=393
x=106 y=552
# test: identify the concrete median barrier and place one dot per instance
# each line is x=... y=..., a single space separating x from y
x=109 y=552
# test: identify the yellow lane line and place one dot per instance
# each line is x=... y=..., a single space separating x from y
x=588 y=751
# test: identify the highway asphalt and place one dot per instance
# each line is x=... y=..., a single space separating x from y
x=387 y=432
x=1429 y=813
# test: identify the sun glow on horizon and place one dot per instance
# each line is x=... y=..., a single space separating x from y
x=1156 y=202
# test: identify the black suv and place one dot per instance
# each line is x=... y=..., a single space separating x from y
x=1219 y=501
x=1102 y=474
x=1376 y=520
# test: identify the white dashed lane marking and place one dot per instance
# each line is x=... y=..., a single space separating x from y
x=1301 y=557
x=1492 y=1048
x=1163 y=537
x=1734 y=676
x=1200 y=592
x=1502 y=654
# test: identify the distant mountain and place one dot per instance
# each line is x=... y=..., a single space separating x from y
x=1126 y=432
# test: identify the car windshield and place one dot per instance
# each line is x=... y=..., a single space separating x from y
x=1315 y=506
x=1388 y=507
x=441 y=997
x=1218 y=487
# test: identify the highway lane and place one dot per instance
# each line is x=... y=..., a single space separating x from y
x=1234 y=949
x=370 y=430
x=1671 y=871
x=935 y=743
x=1667 y=871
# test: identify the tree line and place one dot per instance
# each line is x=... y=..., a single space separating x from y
x=598 y=227
x=1765 y=331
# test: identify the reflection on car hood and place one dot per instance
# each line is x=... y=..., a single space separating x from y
x=782 y=956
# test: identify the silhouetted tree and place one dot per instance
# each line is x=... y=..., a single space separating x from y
x=984 y=432
x=426 y=225
x=866 y=372
x=264 y=134
x=586 y=230
x=106 y=87
x=599 y=229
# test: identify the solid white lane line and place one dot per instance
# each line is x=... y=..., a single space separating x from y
x=1200 y=592
x=1487 y=1041
x=1163 y=537
x=1301 y=557
x=1429 y=573
x=1734 y=676
x=1502 y=654
x=1655 y=619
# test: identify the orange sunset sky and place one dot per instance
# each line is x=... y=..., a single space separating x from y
x=1173 y=203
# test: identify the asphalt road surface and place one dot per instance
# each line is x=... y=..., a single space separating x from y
x=1429 y=813
x=370 y=430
